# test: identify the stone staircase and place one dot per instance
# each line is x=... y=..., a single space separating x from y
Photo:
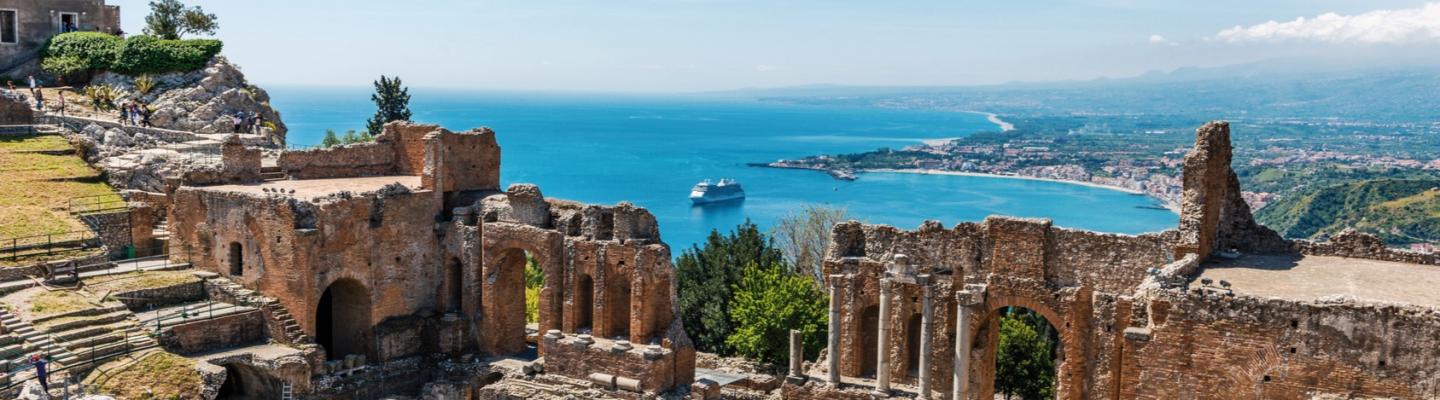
x=189 y=312
x=276 y=314
x=272 y=173
x=24 y=340
x=95 y=334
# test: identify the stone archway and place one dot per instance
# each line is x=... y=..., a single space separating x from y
x=245 y=382
x=987 y=336
x=342 y=319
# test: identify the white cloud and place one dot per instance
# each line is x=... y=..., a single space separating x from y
x=1157 y=39
x=1380 y=26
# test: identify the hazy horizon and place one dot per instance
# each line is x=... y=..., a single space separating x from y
x=689 y=46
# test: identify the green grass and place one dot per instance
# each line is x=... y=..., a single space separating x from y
x=36 y=189
x=159 y=375
x=57 y=302
x=140 y=280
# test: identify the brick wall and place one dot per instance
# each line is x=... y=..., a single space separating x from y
x=229 y=331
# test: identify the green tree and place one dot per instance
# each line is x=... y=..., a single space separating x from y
x=1024 y=363
x=804 y=235
x=330 y=139
x=392 y=103
x=169 y=19
x=768 y=303
x=534 y=280
x=707 y=277
x=350 y=137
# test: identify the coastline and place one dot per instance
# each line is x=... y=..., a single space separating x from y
x=1163 y=203
x=994 y=119
x=989 y=116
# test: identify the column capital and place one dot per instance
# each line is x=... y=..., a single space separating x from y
x=971 y=295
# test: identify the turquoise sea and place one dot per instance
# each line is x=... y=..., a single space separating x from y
x=649 y=150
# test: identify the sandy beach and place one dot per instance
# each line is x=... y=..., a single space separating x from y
x=1032 y=178
x=994 y=119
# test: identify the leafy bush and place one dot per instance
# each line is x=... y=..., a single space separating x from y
x=707 y=277
x=769 y=303
x=102 y=97
x=144 y=84
x=65 y=66
x=93 y=51
x=149 y=55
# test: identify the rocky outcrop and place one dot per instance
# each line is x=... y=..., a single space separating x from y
x=201 y=101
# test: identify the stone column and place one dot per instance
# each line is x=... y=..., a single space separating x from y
x=833 y=358
x=962 y=348
x=927 y=323
x=797 y=353
x=882 y=357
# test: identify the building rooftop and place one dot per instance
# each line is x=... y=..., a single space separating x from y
x=1313 y=277
x=311 y=188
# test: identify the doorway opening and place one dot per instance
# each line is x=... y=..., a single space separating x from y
x=1025 y=355
x=342 y=320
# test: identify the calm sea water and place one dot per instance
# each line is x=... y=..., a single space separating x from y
x=651 y=150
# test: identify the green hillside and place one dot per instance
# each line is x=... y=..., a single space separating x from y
x=1400 y=211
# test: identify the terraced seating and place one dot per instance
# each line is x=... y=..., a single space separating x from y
x=95 y=333
x=190 y=312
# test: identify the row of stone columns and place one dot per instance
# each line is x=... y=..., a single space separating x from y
x=927 y=323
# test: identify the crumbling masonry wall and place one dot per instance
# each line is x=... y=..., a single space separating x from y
x=1130 y=324
x=436 y=264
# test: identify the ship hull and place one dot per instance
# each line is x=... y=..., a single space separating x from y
x=716 y=198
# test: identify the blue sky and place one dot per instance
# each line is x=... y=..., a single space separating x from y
x=696 y=45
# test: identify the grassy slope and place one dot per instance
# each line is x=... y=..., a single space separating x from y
x=159 y=375
x=1400 y=211
x=36 y=188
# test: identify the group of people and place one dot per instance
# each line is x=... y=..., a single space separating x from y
x=39 y=95
x=248 y=122
x=134 y=113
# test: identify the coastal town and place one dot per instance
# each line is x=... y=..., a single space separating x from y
x=1148 y=162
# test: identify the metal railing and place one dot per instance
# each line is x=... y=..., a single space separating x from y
x=48 y=244
x=96 y=203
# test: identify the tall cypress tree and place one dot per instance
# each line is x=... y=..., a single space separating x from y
x=392 y=103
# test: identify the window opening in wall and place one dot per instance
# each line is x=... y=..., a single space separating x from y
x=237 y=259
x=9 y=26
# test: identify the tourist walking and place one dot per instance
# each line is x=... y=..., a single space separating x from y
x=33 y=85
x=235 y=120
x=62 y=103
x=144 y=115
x=41 y=373
x=124 y=113
x=40 y=100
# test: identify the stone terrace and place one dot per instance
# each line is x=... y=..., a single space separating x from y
x=1306 y=278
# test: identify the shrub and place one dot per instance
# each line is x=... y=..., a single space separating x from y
x=706 y=279
x=144 y=84
x=149 y=55
x=65 y=66
x=768 y=303
x=92 y=51
x=102 y=97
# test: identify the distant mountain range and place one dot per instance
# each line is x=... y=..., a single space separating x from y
x=1400 y=211
x=1274 y=89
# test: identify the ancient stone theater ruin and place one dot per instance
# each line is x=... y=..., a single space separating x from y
x=404 y=255
x=399 y=266
x=1219 y=308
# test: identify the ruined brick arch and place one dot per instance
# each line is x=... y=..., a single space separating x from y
x=584 y=303
x=342 y=320
x=504 y=300
x=869 y=322
x=987 y=338
x=619 y=296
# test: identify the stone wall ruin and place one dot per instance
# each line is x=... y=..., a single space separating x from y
x=1133 y=320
